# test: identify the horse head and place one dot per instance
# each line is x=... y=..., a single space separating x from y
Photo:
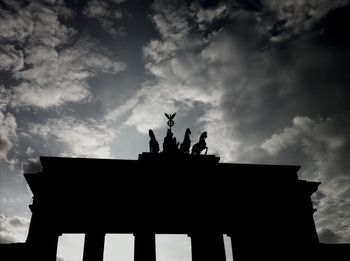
x=203 y=136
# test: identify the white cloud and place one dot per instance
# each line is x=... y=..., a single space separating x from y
x=15 y=26
x=13 y=229
x=210 y=14
x=319 y=140
x=56 y=78
x=11 y=59
x=107 y=14
x=290 y=135
x=79 y=138
x=159 y=50
x=324 y=145
x=5 y=97
x=332 y=216
x=148 y=112
x=220 y=136
x=47 y=28
x=53 y=75
x=8 y=128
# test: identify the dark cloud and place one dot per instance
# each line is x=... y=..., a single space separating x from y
x=328 y=236
x=32 y=165
x=285 y=20
x=18 y=222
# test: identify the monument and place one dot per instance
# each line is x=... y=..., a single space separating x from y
x=266 y=210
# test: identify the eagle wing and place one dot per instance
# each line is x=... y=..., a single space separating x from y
x=166 y=115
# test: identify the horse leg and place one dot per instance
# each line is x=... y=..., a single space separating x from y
x=206 y=150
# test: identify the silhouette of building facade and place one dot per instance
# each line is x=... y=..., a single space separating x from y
x=265 y=209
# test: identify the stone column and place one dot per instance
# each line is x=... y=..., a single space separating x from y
x=34 y=227
x=46 y=249
x=94 y=246
x=207 y=247
x=50 y=246
x=145 y=247
x=42 y=238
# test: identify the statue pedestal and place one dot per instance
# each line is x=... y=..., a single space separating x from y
x=94 y=246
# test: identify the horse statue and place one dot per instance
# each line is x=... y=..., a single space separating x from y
x=153 y=143
x=186 y=144
x=170 y=145
x=201 y=145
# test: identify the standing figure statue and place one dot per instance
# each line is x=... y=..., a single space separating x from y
x=170 y=145
x=153 y=143
x=201 y=145
x=186 y=144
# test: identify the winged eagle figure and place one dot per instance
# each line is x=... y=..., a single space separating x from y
x=170 y=117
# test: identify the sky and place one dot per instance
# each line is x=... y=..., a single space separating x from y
x=268 y=80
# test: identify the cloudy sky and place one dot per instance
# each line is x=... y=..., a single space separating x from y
x=268 y=80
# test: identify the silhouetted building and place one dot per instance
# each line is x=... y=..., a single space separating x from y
x=265 y=209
